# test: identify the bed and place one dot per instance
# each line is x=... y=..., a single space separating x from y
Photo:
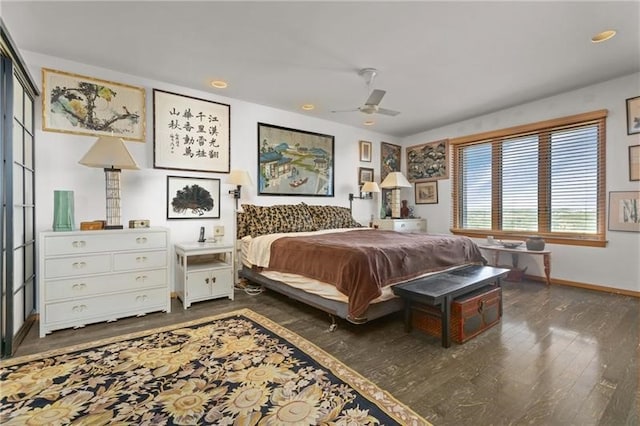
x=320 y=256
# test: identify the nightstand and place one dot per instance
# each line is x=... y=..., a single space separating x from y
x=203 y=271
x=402 y=225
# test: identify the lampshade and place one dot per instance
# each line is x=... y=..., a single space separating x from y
x=239 y=177
x=395 y=180
x=370 y=187
x=109 y=152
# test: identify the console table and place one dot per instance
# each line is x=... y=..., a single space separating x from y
x=515 y=252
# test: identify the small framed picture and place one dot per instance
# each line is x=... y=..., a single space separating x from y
x=365 y=151
x=634 y=162
x=633 y=115
x=427 y=192
x=193 y=198
x=624 y=211
x=365 y=175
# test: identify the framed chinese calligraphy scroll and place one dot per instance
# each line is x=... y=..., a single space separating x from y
x=190 y=133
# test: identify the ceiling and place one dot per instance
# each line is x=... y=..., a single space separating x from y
x=440 y=62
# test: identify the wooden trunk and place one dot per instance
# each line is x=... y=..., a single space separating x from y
x=470 y=314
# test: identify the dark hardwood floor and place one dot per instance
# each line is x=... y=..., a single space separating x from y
x=560 y=356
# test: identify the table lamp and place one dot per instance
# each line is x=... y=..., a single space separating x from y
x=395 y=181
x=110 y=153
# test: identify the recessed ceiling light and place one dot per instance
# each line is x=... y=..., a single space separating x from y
x=369 y=123
x=308 y=107
x=219 y=84
x=603 y=36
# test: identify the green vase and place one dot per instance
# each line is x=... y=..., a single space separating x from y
x=63 y=211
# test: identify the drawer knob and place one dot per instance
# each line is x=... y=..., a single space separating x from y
x=79 y=244
x=141 y=259
x=79 y=265
x=141 y=240
x=142 y=278
x=80 y=286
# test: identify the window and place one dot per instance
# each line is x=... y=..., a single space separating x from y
x=542 y=179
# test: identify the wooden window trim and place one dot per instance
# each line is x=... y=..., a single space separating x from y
x=543 y=129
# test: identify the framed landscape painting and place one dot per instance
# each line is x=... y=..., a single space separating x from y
x=82 y=105
x=294 y=162
x=193 y=198
x=426 y=192
x=190 y=133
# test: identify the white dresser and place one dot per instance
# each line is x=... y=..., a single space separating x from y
x=92 y=276
x=402 y=225
x=204 y=271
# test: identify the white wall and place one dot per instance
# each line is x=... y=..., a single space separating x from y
x=618 y=264
x=144 y=191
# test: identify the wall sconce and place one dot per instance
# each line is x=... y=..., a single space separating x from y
x=368 y=189
x=239 y=178
x=111 y=154
x=395 y=181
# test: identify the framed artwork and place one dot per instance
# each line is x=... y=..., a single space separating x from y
x=427 y=192
x=294 y=162
x=428 y=161
x=633 y=115
x=81 y=105
x=634 y=162
x=624 y=211
x=390 y=155
x=190 y=133
x=193 y=198
x=364 y=175
x=365 y=151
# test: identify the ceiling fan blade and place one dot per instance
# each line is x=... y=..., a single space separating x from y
x=345 y=110
x=375 y=97
x=385 y=111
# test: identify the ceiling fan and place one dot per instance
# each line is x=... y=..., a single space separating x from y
x=371 y=105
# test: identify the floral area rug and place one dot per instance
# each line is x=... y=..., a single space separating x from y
x=234 y=369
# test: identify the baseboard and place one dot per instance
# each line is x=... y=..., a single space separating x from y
x=556 y=281
x=24 y=329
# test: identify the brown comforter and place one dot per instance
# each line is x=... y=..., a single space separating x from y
x=361 y=262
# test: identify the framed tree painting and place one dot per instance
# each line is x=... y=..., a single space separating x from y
x=82 y=105
x=193 y=198
x=294 y=162
x=428 y=161
x=190 y=133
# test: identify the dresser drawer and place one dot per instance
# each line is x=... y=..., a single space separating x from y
x=108 y=307
x=56 y=290
x=88 y=242
x=139 y=260
x=76 y=266
x=408 y=226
